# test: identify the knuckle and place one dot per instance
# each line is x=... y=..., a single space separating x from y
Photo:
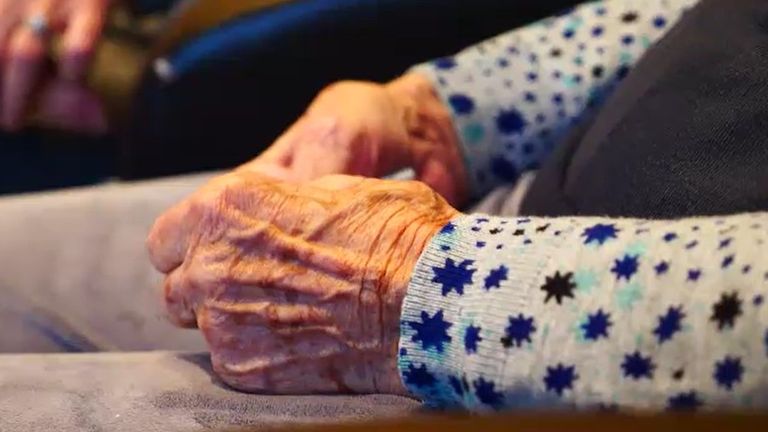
x=340 y=86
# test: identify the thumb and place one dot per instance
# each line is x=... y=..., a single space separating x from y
x=442 y=171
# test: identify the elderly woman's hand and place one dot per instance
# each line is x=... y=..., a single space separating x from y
x=372 y=130
x=26 y=28
x=297 y=288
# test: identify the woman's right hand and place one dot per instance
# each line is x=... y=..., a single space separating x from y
x=61 y=99
x=371 y=130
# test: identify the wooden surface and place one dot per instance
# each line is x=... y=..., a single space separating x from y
x=551 y=422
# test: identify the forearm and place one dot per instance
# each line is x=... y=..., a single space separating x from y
x=514 y=97
x=589 y=312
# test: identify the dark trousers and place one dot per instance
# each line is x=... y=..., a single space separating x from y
x=686 y=132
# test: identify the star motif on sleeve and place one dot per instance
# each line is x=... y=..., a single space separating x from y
x=597 y=325
x=431 y=331
x=726 y=310
x=678 y=374
x=460 y=386
x=688 y=401
x=599 y=233
x=518 y=331
x=495 y=277
x=636 y=366
x=669 y=324
x=629 y=17
x=694 y=275
x=418 y=376
x=625 y=267
x=542 y=228
x=727 y=261
x=560 y=378
x=518 y=232
x=510 y=122
x=669 y=237
x=728 y=372
x=661 y=268
x=448 y=228
x=485 y=392
x=454 y=277
x=558 y=286
x=471 y=338
x=725 y=243
x=496 y=230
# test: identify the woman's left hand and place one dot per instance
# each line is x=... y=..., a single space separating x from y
x=297 y=288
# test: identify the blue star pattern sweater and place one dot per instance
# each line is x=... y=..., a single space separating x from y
x=577 y=312
x=515 y=96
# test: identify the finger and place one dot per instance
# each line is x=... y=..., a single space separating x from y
x=168 y=240
x=269 y=169
x=79 y=41
x=8 y=15
x=254 y=357
x=71 y=106
x=271 y=314
x=256 y=276
x=439 y=171
x=23 y=67
x=4 y=39
x=177 y=297
x=175 y=231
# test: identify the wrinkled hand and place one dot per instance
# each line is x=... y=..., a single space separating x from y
x=297 y=288
x=27 y=87
x=371 y=130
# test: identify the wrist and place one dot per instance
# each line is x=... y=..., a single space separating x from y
x=418 y=237
x=429 y=121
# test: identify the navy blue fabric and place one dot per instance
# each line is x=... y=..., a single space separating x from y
x=35 y=160
x=239 y=85
x=152 y=6
x=684 y=134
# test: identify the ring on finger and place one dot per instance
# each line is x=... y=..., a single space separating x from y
x=38 y=24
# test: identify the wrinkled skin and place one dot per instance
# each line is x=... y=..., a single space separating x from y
x=372 y=130
x=297 y=288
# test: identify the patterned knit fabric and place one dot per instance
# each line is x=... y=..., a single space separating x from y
x=577 y=312
x=515 y=96
x=590 y=312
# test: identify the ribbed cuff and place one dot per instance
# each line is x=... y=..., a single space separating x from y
x=453 y=278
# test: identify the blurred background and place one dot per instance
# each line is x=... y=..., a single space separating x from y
x=197 y=85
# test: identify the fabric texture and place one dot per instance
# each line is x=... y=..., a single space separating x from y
x=516 y=96
x=157 y=391
x=75 y=274
x=684 y=134
x=600 y=312
x=76 y=279
x=590 y=313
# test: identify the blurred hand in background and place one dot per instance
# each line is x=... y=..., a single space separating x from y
x=32 y=83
